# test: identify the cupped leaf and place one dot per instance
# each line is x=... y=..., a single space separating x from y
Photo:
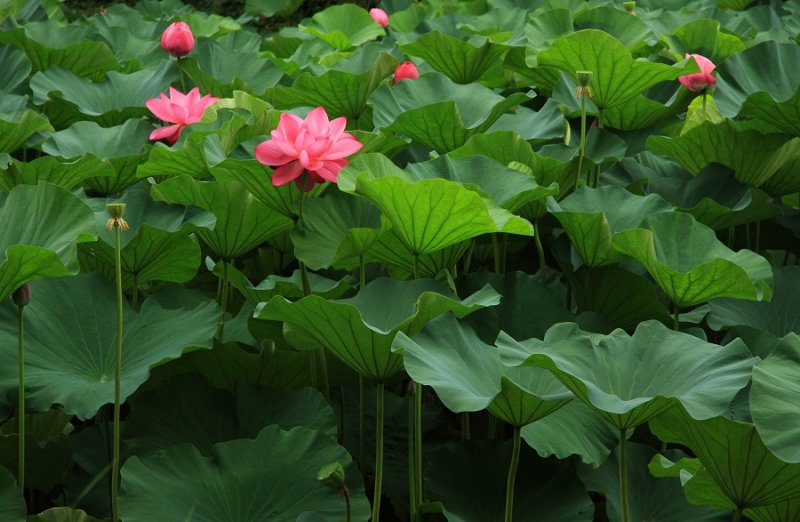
x=243 y=222
x=617 y=77
x=344 y=26
x=53 y=170
x=630 y=379
x=360 y=330
x=62 y=514
x=773 y=401
x=69 y=352
x=705 y=38
x=468 y=374
x=276 y=473
x=438 y=113
x=432 y=214
x=15 y=129
x=466 y=479
x=391 y=250
x=734 y=456
x=591 y=218
x=787 y=511
x=42 y=226
x=438 y=50
x=18 y=68
x=290 y=287
x=690 y=264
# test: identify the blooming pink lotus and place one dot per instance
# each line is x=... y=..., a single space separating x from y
x=180 y=110
x=380 y=16
x=703 y=80
x=405 y=71
x=177 y=39
x=315 y=146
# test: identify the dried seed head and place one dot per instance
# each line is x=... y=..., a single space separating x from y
x=584 y=78
x=116 y=211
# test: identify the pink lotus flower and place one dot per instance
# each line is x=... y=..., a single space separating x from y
x=314 y=146
x=380 y=16
x=405 y=71
x=177 y=39
x=703 y=80
x=179 y=109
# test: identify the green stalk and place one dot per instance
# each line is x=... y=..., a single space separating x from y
x=361 y=417
x=180 y=73
x=583 y=140
x=376 y=499
x=223 y=301
x=117 y=379
x=21 y=404
x=512 y=474
x=737 y=515
x=466 y=428
x=348 y=507
x=623 y=477
x=418 y=446
x=537 y=238
x=412 y=474
x=676 y=325
x=498 y=268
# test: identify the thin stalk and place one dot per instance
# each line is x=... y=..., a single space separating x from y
x=623 y=477
x=412 y=474
x=21 y=404
x=676 y=324
x=416 y=266
x=466 y=428
x=705 y=113
x=737 y=514
x=537 y=238
x=498 y=262
x=418 y=446
x=135 y=295
x=583 y=140
x=468 y=256
x=361 y=416
x=491 y=427
x=117 y=380
x=362 y=273
x=758 y=236
x=747 y=236
x=223 y=301
x=348 y=507
x=512 y=475
x=376 y=499
x=180 y=73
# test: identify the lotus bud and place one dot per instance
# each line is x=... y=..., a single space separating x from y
x=177 y=39
x=405 y=71
x=380 y=16
x=630 y=7
x=332 y=475
x=116 y=211
x=584 y=78
x=22 y=295
x=703 y=81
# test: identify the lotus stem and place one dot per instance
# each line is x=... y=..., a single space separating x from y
x=348 y=507
x=412 y=473
x=498 y=262
x=418 y=447
x=537 y=239
x=361 y=417
x=223 y=301
x=466 y=428
x=376 y=499
x=21 y=403
x=623 y=477
x=737 y=514
x=180 y=74
x=676 y=324
x=117 y=380
x=512 y=474
x=416 y=266
x=582 y=148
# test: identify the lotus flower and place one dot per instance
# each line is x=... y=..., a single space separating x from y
x=314 y=146
x=703 y=80
x=179 y=109
x=380 y=16
x=405 y=71
x=177 y=39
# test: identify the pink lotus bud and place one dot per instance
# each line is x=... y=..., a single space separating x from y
x=177 y=39
x=703 y=80
x=22 y=295
x=405 y=71
x=380 y=16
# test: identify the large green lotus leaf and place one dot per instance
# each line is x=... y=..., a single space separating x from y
x=469 y=480
x=53 y=170
x=648 y=497
x=632 y=32
x=617 y=77
x=748 y=85
x=360 y=330
x=439 y=49
x=220 y=71
x=47 y=45
x=690 y=264
x=62 y=514
x=575 y=429
x=42 y=225
x=773 y=402
x=17 y=67
x=121 y=146
x=69 y=346
x=131 y=34
x=773 y=317
x=343 y=26
x=509 y=188
x=438 y=113
x=47 y=449
x=787 y=511
x=714 y=196
x=187 y=409
x=735 y=457
x=642 y=112
x=754 y=157
x=468 y=375
x=592 y=217
x=705 y=38
x=698 y=486
x=68 y=98
x=270 y=7
x=188 y=160
x=12 y=505
x=270 y=478
x=630 y=379
x=622 y=298
x=15 y=129
x=341 y=93
x=243 y=222
x=337 y=230
x=528 y=307
x=432 y=214
x=391 y=250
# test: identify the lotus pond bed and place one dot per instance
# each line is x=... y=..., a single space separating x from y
x=471 y=261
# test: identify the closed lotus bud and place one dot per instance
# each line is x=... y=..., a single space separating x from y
x=177 y=39
x=380 y=16
x=116 y=211
x=405 y=71
x=703 y=81
x=584 y=78
x=22 y=295
x=331 y=475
